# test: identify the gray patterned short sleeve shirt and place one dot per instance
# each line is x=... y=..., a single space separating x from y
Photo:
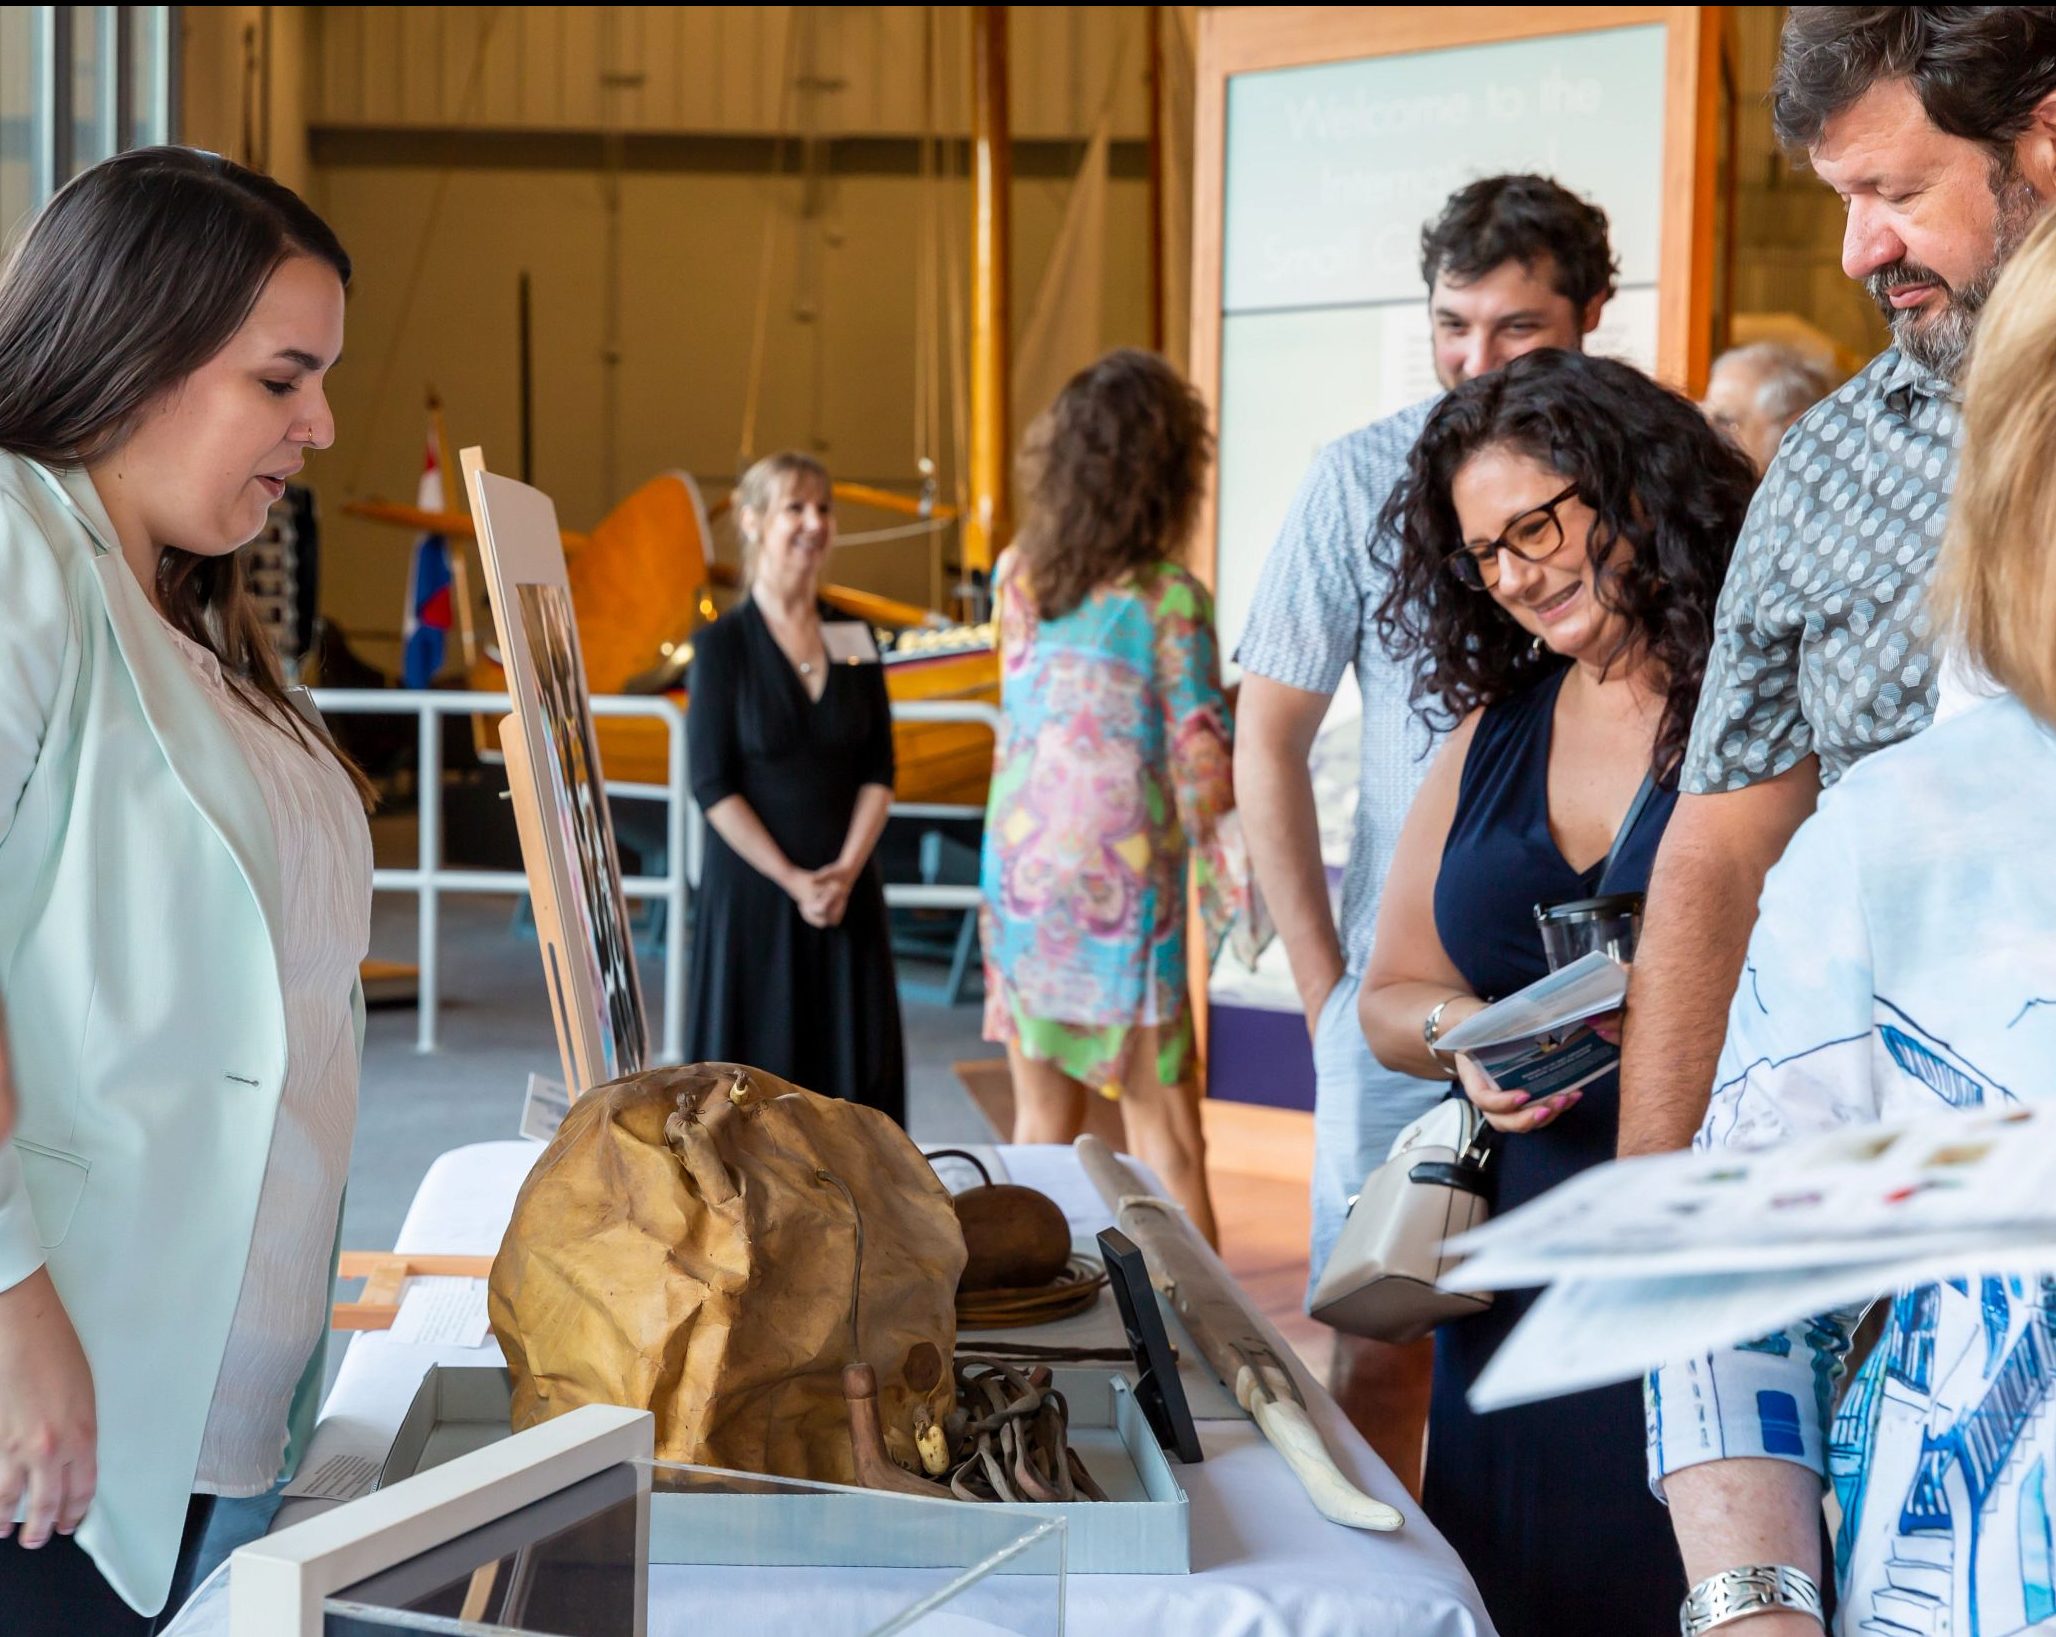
x=1820 y=639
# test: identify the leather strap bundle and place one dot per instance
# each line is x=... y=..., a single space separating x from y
x=1013 y=1444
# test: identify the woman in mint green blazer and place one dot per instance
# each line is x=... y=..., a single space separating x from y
x=165 y=330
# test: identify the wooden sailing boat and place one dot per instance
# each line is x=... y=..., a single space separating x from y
x=644 y=579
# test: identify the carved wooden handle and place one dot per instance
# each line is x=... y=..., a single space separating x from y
x=875 y=1468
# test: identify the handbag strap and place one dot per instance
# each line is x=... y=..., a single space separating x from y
x=1620 y=836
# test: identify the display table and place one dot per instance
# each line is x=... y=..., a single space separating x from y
x=1264 y=1562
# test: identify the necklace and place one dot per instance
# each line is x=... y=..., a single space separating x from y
x=774 y=622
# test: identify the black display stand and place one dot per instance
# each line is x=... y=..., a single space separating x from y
x=1157 y=1387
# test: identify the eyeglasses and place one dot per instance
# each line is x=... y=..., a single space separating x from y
x=1533 y=537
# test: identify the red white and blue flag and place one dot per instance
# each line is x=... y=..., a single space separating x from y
x=427 y=622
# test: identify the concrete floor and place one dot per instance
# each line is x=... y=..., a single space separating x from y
x=495 y=1032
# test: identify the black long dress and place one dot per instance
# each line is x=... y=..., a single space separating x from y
x=815 y=1005
x=1547 y=1504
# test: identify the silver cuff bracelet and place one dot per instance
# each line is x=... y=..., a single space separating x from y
x=1735 y=1594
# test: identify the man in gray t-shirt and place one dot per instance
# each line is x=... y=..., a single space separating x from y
x=1513 y=264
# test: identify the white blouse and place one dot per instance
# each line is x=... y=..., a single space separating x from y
x=324 y=856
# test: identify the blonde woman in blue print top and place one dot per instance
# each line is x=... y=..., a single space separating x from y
x=1904 y=964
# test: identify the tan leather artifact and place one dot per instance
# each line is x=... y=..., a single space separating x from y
x=690 y=1243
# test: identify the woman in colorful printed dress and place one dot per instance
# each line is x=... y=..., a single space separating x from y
x=1903 y=965
x=1112 y=764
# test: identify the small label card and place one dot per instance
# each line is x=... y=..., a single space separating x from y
x=547 y=1104
x=848 y=642
x=339 y=1478
x=442 y=1311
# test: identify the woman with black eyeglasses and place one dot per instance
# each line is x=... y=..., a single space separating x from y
x=1564 y=528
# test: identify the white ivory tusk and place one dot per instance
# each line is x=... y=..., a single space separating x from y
x=1292 y=1434
x=1230 y=1336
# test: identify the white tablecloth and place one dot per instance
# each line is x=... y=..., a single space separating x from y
x=1264 y=1562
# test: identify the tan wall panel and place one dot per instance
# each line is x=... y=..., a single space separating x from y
x=578 y=67
x=714 y=68
x=383 y=81
x=658 y=64
x=702 y=86
x=689 y=260
x=424 y=59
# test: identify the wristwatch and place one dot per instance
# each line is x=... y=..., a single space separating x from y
x=1735 y=1594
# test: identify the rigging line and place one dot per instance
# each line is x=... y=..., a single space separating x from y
x=413 y=285
x=868 y=537
x=959 y=344
x=753 y=392
x=815 y=215
x=923 y=252
x=927 y=309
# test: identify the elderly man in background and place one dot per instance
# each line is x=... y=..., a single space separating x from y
x=1513 y=264
x=1756 y=392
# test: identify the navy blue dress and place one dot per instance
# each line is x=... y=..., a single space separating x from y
x=1548 y=1504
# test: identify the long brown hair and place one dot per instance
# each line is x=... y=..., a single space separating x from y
x=138 y=272
x=1656 y=477
x=1113 y=472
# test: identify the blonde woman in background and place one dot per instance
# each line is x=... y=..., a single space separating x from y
x=1904 y=964
x=791 y=751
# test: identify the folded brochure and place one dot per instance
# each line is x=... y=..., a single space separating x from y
x=1539 y=1039
x=1663 y=1257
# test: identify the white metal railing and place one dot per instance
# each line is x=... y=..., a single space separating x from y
x=429 y=880
x=938 y=895
x=684 y=828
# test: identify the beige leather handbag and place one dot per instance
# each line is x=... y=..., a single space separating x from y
x=1380 y=1280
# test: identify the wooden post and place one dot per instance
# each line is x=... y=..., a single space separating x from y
x=1154 y=17
x=991 y=522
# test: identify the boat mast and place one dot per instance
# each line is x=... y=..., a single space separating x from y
x=1154 y=38
x=990 y=524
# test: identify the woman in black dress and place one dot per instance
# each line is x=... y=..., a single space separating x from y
x=790 y=739
x=1564 y=528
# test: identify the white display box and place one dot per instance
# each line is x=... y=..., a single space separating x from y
x=549 y=1531
x=1142 y=1528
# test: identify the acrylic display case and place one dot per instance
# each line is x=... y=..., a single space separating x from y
x=550 y=1532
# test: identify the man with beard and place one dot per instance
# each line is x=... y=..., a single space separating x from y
x=1937 y=127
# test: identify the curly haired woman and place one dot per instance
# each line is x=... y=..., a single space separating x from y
x=1112 y=764
x=1563 y=530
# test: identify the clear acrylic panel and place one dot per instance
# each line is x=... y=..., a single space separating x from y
x=656 y=1548
x=149 y=75
x=24 y=52
x=95 y=78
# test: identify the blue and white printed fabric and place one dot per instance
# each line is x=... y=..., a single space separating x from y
x=1904 y=962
